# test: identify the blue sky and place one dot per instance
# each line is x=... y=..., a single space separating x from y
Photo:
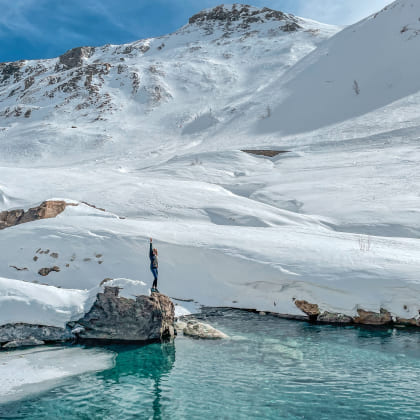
x=47 y=28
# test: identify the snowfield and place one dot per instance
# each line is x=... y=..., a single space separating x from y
x=153 y=133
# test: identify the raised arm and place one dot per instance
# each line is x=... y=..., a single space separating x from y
x=151 y=250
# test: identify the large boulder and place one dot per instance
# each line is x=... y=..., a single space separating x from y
x=198 y=329
x=310 y=309
x=113 y=318
x=373 y=318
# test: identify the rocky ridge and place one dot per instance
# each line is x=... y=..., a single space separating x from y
x=242 y=16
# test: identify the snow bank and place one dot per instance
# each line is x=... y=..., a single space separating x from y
x=24 y=302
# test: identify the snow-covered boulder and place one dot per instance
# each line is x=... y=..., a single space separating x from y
x=198 y=329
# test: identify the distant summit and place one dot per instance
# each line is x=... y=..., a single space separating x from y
x=244 y=15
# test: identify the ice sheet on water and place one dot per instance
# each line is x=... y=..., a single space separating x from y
x=26 y=372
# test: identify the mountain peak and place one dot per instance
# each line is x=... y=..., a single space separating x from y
x=244 y=15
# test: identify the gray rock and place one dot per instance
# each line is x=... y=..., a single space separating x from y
x=18 y=332
x=74 y=57
x=201 y=330
x=115 y=318
x=334 y=318
x=23 y=343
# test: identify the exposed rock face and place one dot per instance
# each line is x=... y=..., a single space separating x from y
x=8 y=70
x=334 y=318
x=46 y=210
x=74 y=57
x=47 y=270
x=114 y=318
x=237 y=12
x=310 y=309
x=197 y=329
x=373 y=318
x=20 y=332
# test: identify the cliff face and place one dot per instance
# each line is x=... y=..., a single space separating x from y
x=118 y=319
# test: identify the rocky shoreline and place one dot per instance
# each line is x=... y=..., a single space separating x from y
x=111 y=319
x=145 y=319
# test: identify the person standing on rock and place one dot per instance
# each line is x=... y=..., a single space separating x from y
x=153 y=255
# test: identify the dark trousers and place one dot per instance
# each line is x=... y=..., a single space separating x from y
x=155 y=275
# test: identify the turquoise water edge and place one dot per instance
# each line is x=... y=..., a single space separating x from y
x=270 y=368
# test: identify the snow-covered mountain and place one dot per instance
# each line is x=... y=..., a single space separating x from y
x=96 y=101
x=152 y=132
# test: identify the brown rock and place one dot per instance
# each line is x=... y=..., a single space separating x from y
x=410 y=322
x=373 y=318
x=47 y=270
x=310 y=309
x=46 y=210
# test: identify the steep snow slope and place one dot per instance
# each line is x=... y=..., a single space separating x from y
x=335 y=221
x=361 y=69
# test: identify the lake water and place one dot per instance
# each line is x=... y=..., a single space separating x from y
x=269 y=369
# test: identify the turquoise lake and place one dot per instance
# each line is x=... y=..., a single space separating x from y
x=269 y=369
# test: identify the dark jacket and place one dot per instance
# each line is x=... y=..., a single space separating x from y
x=153 y=258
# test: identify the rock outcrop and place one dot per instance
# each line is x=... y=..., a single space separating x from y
x=243 y=13
x=47 y=270
x=46 y=210
x=75 y=57
x=334 y=318
x=117 y=319
x=23 y=332
x=310 y=309
x=373 y=318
